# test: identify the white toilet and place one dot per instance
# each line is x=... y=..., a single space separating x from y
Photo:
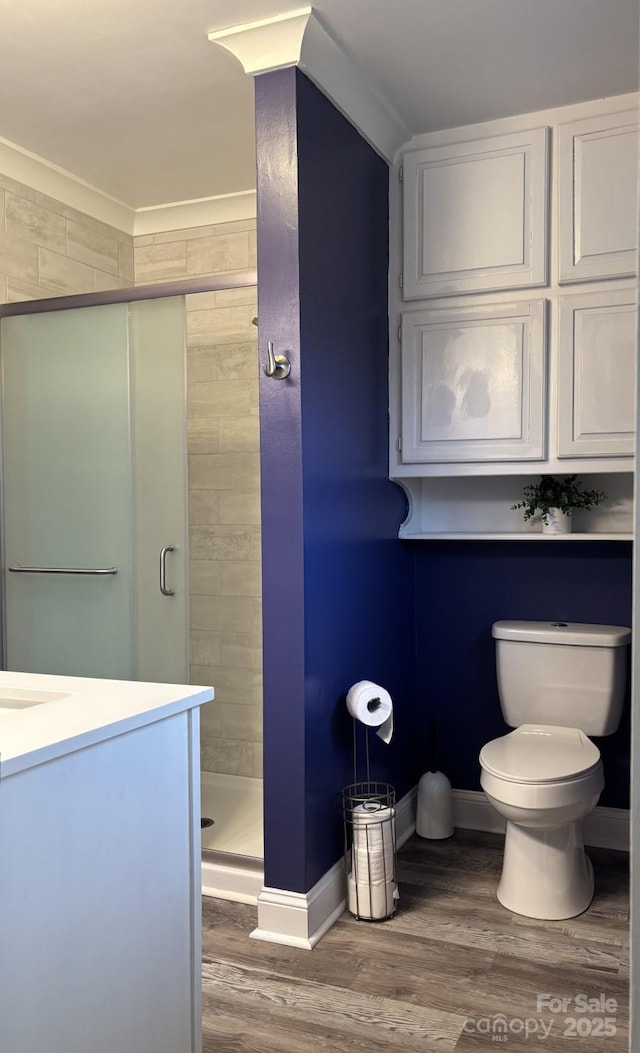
x=558 y=682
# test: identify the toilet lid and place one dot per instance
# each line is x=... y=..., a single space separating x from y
x=539 y=753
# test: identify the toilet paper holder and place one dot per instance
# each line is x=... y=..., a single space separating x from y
x=369 y=810
x=369 y=818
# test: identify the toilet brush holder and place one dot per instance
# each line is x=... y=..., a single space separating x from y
x=434 y=818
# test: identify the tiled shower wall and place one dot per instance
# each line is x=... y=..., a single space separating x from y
x=225 y=634
x=49 y=249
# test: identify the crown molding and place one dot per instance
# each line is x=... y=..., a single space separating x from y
x=297 y=38
x=201 y=212
x=46 y=178
x=266 y=45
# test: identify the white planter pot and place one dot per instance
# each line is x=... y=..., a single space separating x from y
x=556 y=522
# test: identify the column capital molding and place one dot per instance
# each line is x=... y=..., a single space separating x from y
x=298 y=38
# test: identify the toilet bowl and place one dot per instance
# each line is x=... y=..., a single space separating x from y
x=558 y=683
x=544 y=780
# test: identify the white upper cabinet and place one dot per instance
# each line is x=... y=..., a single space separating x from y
x=597 y=197
x=473 y=382
x=475 y=215
x=596 y=364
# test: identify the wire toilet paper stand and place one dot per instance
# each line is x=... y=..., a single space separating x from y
x=369 y=813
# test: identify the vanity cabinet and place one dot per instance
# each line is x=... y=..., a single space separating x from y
x=598 y=197
x=596 y=364
x=100 y=898
x=473 y=383
x=475 y=215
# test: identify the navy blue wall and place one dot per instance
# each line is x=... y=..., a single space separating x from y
x=461 y=589
x=337 y=584
x=343 y=599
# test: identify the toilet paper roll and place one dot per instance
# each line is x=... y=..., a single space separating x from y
x=371 y=903
x=371 y=705
x=373 y=852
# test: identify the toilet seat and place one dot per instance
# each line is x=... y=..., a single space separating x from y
x=538 y=754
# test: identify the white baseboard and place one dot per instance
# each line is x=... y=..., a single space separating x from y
x=300 y=919
x=603 y=828
x=231 y=880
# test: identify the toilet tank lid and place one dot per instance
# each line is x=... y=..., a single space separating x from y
x=575 y=633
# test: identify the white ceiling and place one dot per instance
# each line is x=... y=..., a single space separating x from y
x=130 y=96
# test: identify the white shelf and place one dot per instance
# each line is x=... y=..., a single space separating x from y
x=515 y=536
x=479 y=508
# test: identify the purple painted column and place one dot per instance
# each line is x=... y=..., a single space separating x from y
x=337 y=583
x=281 y=483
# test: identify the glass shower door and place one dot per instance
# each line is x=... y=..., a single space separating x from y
x=67 y=493
x=94 y=492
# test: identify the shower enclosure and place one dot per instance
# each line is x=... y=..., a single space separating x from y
x=130 y=526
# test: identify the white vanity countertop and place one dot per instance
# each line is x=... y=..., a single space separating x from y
x=91 y=711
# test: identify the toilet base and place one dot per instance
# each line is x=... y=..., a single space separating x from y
x=546 y=873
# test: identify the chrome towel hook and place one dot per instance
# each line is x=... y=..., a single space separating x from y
x=276 y=366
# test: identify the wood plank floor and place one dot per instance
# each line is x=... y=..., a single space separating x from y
x=452 y=971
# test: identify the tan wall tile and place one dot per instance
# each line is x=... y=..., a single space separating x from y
x=80 y=217
x=227 y=756
x=155 y=263
x=196 y=233
x=204 y=508
x=233 y=297
x=4 y=291
x=64 y=275
x=126 y=262
x=24 y=219
x=241 y=578
x=239 y=434
x=228 y=721
x=204 y=577
x=241 y=687
x=217 y=254
x=91 y=247
x=18 y=291
x=237 y=543
x=257 y=760
x=225 y=398
x=241 y=651
x=200 y=301
x=228 y=361
x=202 y=435
x=107 y=281
x=205 y=647
x=253 y=249
x=223 y=471
x=221 y=326
x=18 y=259
x=239 y=507
x=17 y=188
x=226 y=577
x=233 y=614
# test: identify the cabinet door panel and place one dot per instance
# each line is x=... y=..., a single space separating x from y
x=597 y=197
x=475 y=215
x=596 y=374
x=473 y=383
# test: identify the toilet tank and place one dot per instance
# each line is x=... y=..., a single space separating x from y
x=565 y=674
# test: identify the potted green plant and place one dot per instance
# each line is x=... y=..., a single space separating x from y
x=556 y=499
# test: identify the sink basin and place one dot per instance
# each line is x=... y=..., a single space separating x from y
x=12 y=698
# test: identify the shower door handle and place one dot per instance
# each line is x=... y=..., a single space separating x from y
x=163 y=570
x=19 y=569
